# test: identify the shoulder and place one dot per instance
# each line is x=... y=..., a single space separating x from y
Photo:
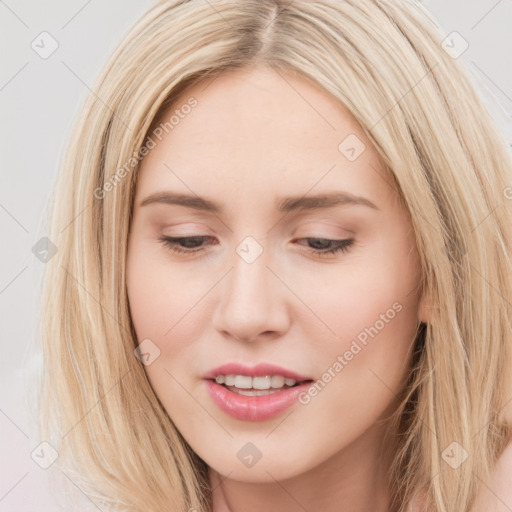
x=497 y=495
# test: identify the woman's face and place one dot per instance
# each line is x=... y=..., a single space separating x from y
x=254 y=282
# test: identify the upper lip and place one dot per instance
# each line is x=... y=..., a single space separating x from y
x=259 y=370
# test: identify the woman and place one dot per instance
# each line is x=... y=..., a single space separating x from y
x=283 y=271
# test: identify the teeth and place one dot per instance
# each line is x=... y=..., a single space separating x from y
x=261 y=383
x=277 y=381
x=242 y=382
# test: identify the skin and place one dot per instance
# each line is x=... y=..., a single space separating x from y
x=254 y=136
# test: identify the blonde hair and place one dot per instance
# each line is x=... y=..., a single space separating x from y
x=384 y=61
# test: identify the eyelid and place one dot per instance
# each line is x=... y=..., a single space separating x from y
x=340 y=245
x=311 y=225
x=186 y=226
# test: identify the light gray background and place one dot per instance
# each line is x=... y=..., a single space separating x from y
x=39 y=99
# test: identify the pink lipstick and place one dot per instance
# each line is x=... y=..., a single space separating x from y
x=275 y=389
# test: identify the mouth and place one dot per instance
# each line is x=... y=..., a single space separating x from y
x=257 y=386
x=245 y=401
x=255 y=393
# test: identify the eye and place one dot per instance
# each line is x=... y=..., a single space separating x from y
x=172 y=243
x=193 y=244
x=328 y=246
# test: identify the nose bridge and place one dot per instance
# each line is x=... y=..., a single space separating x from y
x=249 y=283
x=249 y=304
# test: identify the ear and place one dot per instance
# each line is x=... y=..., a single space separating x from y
x=425 y=308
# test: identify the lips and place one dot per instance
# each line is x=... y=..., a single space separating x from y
x=255 y=408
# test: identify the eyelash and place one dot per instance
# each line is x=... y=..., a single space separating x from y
x=171 y=244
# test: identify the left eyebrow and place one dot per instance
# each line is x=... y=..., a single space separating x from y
x=285 y=204
x=320 y=201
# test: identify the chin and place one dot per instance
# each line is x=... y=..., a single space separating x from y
x=262 y=468
x=258 y=474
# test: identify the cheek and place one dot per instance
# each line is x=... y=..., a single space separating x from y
x=161 y=296
x=162 y=310
x=349 y=300
x=363 y=368
x=166 y=308
x=367 y=321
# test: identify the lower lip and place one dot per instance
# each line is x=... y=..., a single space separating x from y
x=254 y=408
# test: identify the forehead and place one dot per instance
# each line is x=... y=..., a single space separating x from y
x=261 y=131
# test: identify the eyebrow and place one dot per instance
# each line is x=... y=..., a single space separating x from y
x=285 y=204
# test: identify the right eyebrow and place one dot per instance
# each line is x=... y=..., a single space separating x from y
x=189 y=201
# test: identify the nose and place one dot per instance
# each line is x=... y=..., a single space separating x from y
x=253 y=302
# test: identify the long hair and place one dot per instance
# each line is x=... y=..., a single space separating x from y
x=385 y=61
